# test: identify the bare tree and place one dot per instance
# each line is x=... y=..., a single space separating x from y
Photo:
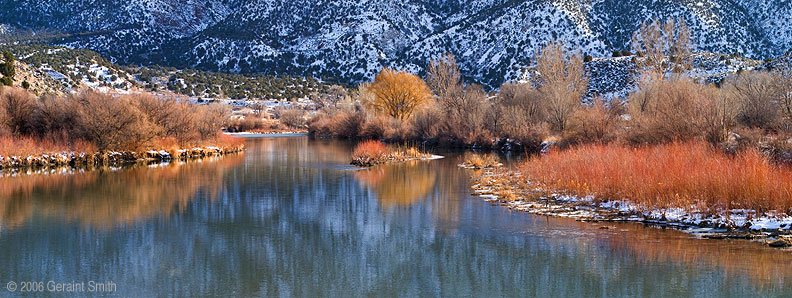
x=330 y=99
x=784 y=69
x=336 y=94
x=18 y=106
x=759 y=96
x=657 y=40
x=443 y=76
x=563 y=83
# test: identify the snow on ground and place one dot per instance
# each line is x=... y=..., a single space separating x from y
x=690 y=220
x=690 y=217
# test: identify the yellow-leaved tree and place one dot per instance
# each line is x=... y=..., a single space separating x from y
x=398 y=93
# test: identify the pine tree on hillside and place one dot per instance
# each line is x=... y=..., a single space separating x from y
x=8 y=68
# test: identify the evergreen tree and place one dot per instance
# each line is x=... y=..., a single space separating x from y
x=8 y=68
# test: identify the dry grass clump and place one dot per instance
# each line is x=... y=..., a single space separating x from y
x=29 y=146
x=684 y=175
x=480 y=161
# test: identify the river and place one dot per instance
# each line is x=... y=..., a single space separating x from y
x=290 y=217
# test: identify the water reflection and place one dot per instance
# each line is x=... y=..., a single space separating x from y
x=294 y=220
x=400 y=184
x=105 y=199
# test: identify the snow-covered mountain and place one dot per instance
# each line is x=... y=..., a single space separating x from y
x=350 y=40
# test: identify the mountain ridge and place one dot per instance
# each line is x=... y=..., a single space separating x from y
x=349 y=41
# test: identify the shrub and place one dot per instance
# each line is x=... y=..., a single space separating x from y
x=462 y=112
x=592 y=124
x=319 y=125
x=425 y=123
x=681 y=175
x=112 y=123
x=247 y=123
x=348 y=124
x=517 y=107
x=675 y=110
x=369 y=153
x=757 y=95
x=18 y=106
x=210 y=119
x=55 y=114
x=374 y=128
x=294 y=117
x=398 y=130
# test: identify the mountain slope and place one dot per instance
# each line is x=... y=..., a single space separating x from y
x=352 y=40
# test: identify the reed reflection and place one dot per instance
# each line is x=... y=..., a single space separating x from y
x=399 y=184
x=106 y=199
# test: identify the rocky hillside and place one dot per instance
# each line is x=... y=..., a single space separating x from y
x=65 y=69
x=493 y=40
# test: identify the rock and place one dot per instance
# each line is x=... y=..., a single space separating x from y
x=780 y=242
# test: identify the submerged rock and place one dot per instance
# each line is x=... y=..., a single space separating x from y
x=780 y=242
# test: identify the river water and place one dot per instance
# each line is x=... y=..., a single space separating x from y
x=289 y=217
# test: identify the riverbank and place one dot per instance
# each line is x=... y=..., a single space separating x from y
x=12 y=164
x=268 y=133
x=508 y=189
x=690 y=187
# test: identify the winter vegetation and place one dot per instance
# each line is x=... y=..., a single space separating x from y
x=370 y=153
x=693 y=176
x=673 y=142
x=91 y=127
x=78 y=68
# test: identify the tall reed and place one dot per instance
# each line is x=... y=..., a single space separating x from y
x=684 y=175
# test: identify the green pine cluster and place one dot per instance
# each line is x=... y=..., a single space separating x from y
x=7 y=69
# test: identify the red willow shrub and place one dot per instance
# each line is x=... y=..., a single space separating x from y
x=683 y=175
x=369 y=153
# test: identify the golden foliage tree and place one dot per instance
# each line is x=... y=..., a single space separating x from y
x=397 y=93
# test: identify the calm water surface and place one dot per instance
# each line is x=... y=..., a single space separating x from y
x=290 y=218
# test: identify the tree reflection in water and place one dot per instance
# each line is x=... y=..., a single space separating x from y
x=105 y=199
x=295 y=220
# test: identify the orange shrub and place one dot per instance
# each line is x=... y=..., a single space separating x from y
x=684 y=175
x=369 y=152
